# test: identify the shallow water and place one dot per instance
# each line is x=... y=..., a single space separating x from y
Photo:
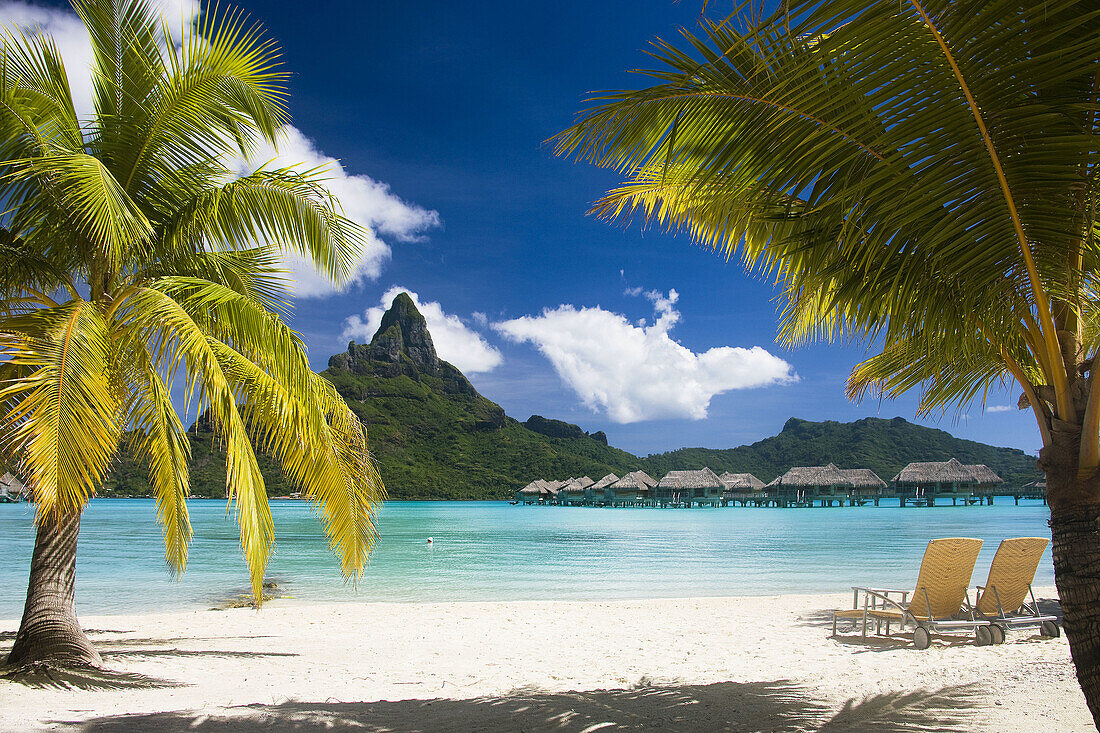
x=495 y=551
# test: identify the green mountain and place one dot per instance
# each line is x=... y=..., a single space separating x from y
x=435 y=437
x=884 y=446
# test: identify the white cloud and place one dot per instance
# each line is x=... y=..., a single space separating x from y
x=638 y=372
x=454 y=340
x=365 y=200
x=999 y=408
x=69 y=34
x=480 y=318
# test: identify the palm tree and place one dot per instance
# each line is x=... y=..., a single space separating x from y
x=921 y=175
x=135 y=266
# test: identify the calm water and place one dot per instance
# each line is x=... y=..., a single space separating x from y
x=494 y=551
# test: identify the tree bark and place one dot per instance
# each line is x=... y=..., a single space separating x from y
x=49 y=631
x=1075 y=529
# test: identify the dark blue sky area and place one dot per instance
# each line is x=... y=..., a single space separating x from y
x=450 y=104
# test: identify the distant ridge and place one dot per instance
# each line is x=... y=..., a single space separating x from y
x=435 y=437
x=883 y=445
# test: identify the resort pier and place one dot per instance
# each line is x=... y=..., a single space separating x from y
x=919 y=484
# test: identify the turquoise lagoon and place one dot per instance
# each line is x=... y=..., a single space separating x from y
x=495 y=551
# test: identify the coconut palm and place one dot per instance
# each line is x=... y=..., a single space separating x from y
x=135 y=266
x=921 y=175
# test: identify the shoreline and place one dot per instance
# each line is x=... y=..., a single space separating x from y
x=739 y=663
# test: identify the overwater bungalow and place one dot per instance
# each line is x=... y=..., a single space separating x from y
x=803 y=485
x=574 y=492
x=633 y=489
x=539 y=492
x=596 y=494
x=11 y=489
x=531 y=493
x=923 y=482
x=685 y=488
x=552 y=491
x=742 y=488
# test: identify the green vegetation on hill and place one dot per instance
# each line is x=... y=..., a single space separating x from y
x=884 y=446
x=435 y=437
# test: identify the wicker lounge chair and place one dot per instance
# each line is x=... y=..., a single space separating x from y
x=939 y=603
x=1003 y=600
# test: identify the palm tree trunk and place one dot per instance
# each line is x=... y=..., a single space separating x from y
x=49 y=631
x=1075 y=530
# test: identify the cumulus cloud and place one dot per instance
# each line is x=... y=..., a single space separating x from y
x=365 y=200
x=454 y=340
x=71 y=37
x=635 y=372
x=999 y=408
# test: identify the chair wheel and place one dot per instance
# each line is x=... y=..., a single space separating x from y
x=922 y=639
x=983 y=636
x=1050 y=630
x=998 y=633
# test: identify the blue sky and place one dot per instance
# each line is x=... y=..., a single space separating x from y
x=438 y=113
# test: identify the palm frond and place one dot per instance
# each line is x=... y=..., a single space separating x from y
x=176 y=337
x=61 y=416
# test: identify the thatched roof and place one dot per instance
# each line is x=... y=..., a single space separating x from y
x=634 y=480
x=539 y=486
x=577 y=485
x=740 y=482
x=534 y=488
x=864 y=478
x=986 y=474
x=801 y=477
x=945 y=472
x=604 y=482
x=703 y=479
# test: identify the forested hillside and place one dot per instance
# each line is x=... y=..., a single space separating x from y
x=435 y=437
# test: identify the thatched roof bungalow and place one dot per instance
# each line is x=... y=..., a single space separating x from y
x=552 y=488
x=597 y=492
x=804 y=482
x=11 y=488
x=689 y=487
x=531 y=493
x=575 y=490
x=539 y=491
x=576 y=485
x=740 y=486
x=945 y=477
x=634 y=487
x=741 y=482
x=604 y=482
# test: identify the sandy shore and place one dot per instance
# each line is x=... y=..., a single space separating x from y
x=751 y=664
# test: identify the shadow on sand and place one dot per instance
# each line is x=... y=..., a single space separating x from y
x=726 y=706
x=45 y=675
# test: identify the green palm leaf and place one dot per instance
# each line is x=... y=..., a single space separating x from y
x=130 y=254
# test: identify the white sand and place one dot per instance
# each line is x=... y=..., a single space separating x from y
x=752 y=664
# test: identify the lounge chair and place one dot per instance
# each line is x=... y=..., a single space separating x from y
x=940 y=601
x=1003 y=600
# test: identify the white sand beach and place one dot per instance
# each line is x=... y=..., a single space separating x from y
x=742 y=664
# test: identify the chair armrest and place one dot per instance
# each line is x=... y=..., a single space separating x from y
x=879 y=598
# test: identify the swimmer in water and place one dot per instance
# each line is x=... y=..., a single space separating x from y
x=429 y=540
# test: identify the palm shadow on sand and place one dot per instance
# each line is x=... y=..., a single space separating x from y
x=46 y=675
x=778 y=706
